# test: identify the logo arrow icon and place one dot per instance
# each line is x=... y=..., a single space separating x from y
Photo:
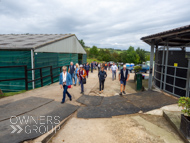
x=14 y=129
x=20 y=129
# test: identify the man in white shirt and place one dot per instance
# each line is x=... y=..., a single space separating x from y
x=114 y=70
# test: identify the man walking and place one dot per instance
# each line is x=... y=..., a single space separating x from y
x=123 y=78
x=72 y=71
x=113 y=70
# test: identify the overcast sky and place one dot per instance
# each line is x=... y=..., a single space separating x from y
x=104 y=23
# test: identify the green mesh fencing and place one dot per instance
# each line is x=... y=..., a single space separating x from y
x=10 y=58
x=84 y=58
x=54 y=60
x=14 y=58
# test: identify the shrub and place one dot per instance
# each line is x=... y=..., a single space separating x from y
x=184 y=102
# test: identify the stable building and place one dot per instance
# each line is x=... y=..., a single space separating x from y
x=35 y=51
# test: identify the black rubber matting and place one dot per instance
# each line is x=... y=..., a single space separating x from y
x=22 y=106
x=107 y=111
x=113 y=100
x=90 y=100
x=150 y=100
x=36 y=122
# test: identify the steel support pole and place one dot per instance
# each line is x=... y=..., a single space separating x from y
x=32 y=66
x=151 y=65
x=162 y=70
x=166 y=66
x=188 y=80
x=174 y=80
x=155 y=64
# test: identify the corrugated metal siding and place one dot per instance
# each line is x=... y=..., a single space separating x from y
x=14 y=58
x=68 y=45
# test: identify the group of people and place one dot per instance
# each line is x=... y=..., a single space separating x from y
x=79 y=73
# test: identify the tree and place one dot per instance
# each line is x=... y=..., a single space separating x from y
x=82 y=43
x=93 y=52
x=141 y=54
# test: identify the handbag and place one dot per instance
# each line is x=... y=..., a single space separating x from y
x=84 y=80
x=69 y=86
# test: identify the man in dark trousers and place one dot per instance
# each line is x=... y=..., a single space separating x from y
x=123 y=78
x=102 y=76
x=72 y=71
x=92 y=66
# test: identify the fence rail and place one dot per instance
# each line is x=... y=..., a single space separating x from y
x=26 y=74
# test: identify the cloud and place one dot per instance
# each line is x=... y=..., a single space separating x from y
x=104 y=23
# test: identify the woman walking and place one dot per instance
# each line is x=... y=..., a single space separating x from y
x=76 y=72
x=87 y=69
x=82 y=75
x=65 y=80
x=102 y=76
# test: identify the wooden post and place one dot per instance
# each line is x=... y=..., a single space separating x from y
x=51 y=73
x=1 y=92
x=41 y=77
x=26 y=77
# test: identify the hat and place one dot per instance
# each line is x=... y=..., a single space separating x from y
x=124 y=66
x=81 y=66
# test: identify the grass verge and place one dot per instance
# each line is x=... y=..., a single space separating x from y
x=11 y=93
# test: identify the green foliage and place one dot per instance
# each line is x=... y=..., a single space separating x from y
x=184 y=102
x=117 y=55
x=82 y=43
x=11 y=93
x=137 y=68
x=141 y=53
x=93 y=52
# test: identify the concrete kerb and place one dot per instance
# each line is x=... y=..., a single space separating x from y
x=45 y=138
x=175 y=127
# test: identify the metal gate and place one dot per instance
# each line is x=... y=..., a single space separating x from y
x=171 y=72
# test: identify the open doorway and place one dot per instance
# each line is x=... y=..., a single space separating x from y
x=80 y=59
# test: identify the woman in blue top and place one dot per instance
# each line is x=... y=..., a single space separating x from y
x=76 y=71
x=65 y=80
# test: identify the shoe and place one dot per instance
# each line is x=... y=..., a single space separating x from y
x=99 y=92
x=70 y=99
x=102 y=91
x=81 y=92
x=74 y=84
x=124 y=92
x=62 y=102
x=120 y=93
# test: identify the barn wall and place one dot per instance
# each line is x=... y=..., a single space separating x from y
x=52 y=59
x=14 y=58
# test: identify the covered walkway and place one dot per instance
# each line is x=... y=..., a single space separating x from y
x=178 y=38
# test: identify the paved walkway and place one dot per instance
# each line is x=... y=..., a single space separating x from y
x=113 y=129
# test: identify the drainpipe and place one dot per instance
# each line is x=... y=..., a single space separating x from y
x=32 y=66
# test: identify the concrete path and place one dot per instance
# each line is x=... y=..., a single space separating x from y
x=118 y=129
x=136 y=128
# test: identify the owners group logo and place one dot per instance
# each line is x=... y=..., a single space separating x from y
x=37 y=124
